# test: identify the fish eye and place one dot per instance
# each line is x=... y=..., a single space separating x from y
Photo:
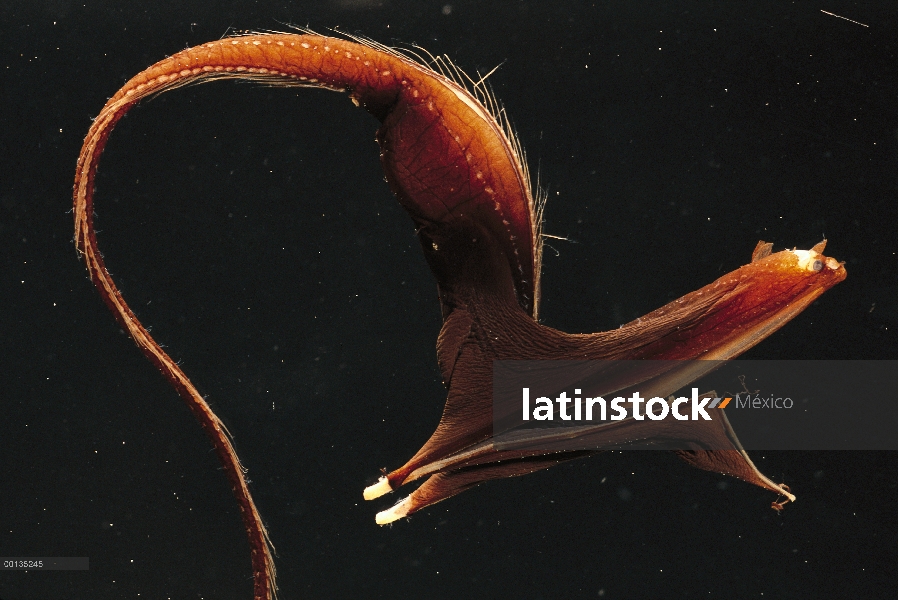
x=818 y=264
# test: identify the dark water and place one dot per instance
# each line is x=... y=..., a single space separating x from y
x=251 y=227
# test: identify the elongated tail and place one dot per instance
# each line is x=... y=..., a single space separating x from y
x=450 y=163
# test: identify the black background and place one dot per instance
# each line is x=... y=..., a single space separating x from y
x=251 y=227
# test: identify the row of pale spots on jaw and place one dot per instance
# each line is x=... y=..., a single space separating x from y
x=477 y=172
x=494 y=145
x=224 y=58
x=182 y=68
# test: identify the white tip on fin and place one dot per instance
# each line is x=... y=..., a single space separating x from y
x=807 y=260
x=398 y=511
x=378 y=489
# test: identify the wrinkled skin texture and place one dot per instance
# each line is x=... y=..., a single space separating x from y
x=459 y=175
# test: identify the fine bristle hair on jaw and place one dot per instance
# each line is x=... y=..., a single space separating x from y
x=480 y=90
x=442 y=66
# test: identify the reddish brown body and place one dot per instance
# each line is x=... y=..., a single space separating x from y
x=459 y=175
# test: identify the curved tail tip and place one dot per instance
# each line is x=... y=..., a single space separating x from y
x=378 y=489
x=398 y=511
x=787 y=493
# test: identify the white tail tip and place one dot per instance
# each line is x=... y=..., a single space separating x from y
x=393 y=514
x=378 y=489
